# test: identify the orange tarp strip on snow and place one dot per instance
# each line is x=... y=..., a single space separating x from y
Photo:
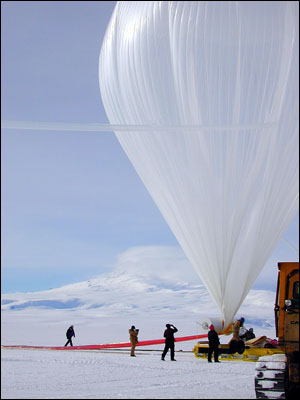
x=109 y=345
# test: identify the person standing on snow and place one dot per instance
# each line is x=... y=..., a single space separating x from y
x=70 y=333
x=133 y=339
x=169 y=342
x=214 y=342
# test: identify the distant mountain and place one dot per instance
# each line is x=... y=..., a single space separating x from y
x=117 y=290
x=120 y=293
x=102 y=310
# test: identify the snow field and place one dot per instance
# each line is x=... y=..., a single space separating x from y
x=102 y=310
x=39 y=374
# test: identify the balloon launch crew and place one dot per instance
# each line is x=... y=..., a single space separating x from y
x=133 y=339
x=214 y=342
x=169 y=342
x=246 y=334
x=70 y=333
x=243 y=330
x=236 y=329
x=250 y=334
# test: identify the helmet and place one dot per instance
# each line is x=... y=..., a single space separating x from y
x=212 y=328
x=242 y=319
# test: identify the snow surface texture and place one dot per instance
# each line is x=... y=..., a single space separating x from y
x=98 y=375
x=102 y=310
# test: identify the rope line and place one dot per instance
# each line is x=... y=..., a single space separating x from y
x=106 y=127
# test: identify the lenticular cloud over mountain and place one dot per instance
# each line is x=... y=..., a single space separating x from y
x=157 y=263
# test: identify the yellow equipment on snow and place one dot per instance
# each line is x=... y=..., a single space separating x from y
x=238 y=351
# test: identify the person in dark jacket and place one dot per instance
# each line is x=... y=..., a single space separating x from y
x=169 y=342
x=250 y=334
x=70 y=333
x=214 y=342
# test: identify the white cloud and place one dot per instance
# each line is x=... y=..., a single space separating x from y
x=157 y=263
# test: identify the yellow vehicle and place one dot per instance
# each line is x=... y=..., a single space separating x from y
x=277 y=376
x=277 y=369
x=238 y=351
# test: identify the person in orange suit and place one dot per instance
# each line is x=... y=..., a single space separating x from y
x=133 y=335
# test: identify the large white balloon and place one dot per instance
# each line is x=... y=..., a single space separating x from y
x=228 y=185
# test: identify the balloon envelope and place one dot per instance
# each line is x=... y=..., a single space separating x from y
x=214 y=87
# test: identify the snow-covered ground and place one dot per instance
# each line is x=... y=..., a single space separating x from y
x=37 y=374
x=102 y=310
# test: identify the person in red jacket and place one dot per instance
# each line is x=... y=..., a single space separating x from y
x=214 y=342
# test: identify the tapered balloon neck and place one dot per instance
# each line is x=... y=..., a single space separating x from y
x=218 y=323
x=227 y=328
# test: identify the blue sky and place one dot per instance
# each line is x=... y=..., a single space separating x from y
x=71 y=202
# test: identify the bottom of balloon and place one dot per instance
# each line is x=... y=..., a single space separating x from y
x=218 y=323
